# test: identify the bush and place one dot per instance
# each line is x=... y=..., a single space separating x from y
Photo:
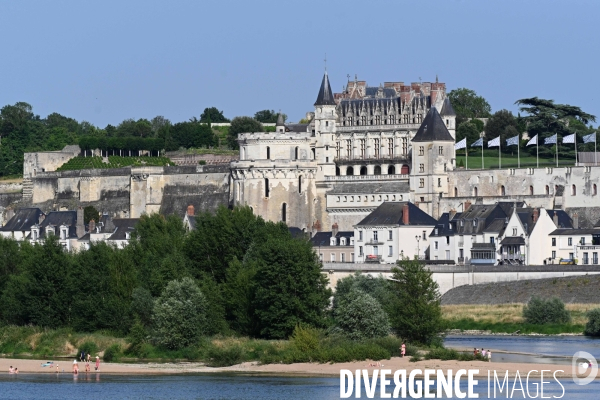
x=305 y=338
x=180 y=314
x=87 y=347
x=112 y=353
x=362 y=317
x=224 y=356
x=550 y=311
x=592 y=328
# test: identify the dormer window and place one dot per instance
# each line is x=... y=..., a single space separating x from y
x=49 y=231
x=127 y=235
x=63 y=233
x=332 y=241
x=351 y=241
x=343 y=241
x=436 y=231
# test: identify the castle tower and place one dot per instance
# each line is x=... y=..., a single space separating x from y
x=280 y=125
x=325 y=120
x=433 y=157
x=449 y=117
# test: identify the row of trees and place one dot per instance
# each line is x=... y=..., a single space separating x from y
x=235 y=274
x=23 y=131
x=542 y=117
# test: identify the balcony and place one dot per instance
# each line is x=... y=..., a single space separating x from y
x=372 y=258
x=373 y=159
x=512 y=258
x=374 y=242
x=367 y=177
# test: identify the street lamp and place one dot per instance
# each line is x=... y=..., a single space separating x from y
x=418 y=239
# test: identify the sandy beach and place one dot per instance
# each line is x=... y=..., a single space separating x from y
x=299 y=369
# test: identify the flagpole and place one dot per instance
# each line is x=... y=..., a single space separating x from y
x=537 y=151
x=466 y=156
x=556 y=150
x=499 y=152
x=575 y=141
x=518 y=154
x=482 y=164
x=595 y=156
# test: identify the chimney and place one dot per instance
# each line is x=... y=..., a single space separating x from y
x=405 y=214
x=451 y=214
x=92 y=226
x=555 y=219
x=80 y=226
x=575 y=221
x=317 y=226
x=190 y=211
x=334 y=229
x=466 y=206
x=536 y=215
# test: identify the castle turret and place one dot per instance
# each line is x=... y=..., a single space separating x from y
x=325 y=119
x=280 y=125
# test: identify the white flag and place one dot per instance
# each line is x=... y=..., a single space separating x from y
x=494 y=142
x=551 y=139
x=591 y=138
x=533 y=140
x=513 y=141
x=569 y=139
x=478 y=143
x=461 y=145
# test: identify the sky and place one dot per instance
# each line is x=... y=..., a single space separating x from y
x=106 y=61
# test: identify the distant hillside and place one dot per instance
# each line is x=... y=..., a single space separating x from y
x=576 y=289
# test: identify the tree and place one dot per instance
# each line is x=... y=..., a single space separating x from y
x=592 y=327
x=289 y=287
x=268 y=116
x=467 y=104
x=242 y=125
x=180 y=314
x=469 y=130
x=550 y=311
x=503 y=124
x=361 y=317
x=142 y=304
x=212 y=114
x=90 y=213
x=417 y=314
x=377 y=287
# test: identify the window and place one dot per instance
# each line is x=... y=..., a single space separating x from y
x=390 y=251
x=300 y=184
x=326 y=159
x=594 y=258
x=284 y=212
x=553 y=242
x=571 y=257
x=421 y=167
x=492 y=240
x=362 y=148
x=390 y=235
x=422 y=182
x=447 y=239
x=343 y=241
x=547 y=190
x=351 y=257
x=321 y=257
x=377 y=146
x=582 y=241
x=553 y=254
x=421 y=150
x=424 y=235
x=296 y=153
x=390 y=147
x=585 y=258
x=268 y=153
x=360 y=236
x=332 y=257
x=441 y=150
x=266 y=187
x=594 y=190
x=404 y=146
x=502 y=191
x=531 y=190
x=375 y=234
x=376 y=250
x=573 y=190
x=475 y=191
x=360 y=251
x=326 y=123
x=514 y=232
x=439 y=182
x=447 y=254
x=343 y=257
x=569 y=241
x=435 y=245
x=352 y=241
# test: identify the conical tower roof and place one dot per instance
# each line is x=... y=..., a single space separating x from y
x=433 y=128
x=279 y=120
x=325 y=97
x=447 y=108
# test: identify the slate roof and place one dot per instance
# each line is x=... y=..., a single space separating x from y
x=58 y=218
x=513 y=240
x=370 y=188
x=498 y=225
x=296 y=127
x=122 y=226
x=433 y=128
x=323 y=239
x=481 y=218
x=443 y=226
x=325 y=97
x=390 y=213
x=23 y=220
x=447 y=108
x=574 y=232
x=484 y=246
x=296 y=232
x=564 y=221
x=372 y=91
x=192 y=221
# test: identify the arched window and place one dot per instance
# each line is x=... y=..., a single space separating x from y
x=594 y=190
x=391 y=170
x=284 y=212
x=296 y=153
x=377 y=170
x=243 y=155
x=337 y=171
x=475 y=191
x=300 y=184
x=405 y=170
x=266 y=187
x=349 y=171
x=531 y=190
x=363 y=170
x=268 y=153
x=547 y=190
x=313 y=154
x=502 y=191
x=455 y=192
x=573 y=190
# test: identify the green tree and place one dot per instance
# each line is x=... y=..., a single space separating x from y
x=550 y=311
x=142 y=304
x=417 y=314
x=90 y=213
x=361 y=317
x=467 y=104
x=268 y=116
x=180 y=314
x=242 y=125
x=469 y=130
x=504 y=124
x=212 y=114
x=377 y=287
x=592 y=327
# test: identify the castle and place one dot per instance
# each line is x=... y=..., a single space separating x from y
x=363 y=147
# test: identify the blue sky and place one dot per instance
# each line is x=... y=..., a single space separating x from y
x=106 y=61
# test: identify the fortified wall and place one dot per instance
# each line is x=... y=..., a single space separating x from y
x=130 y=192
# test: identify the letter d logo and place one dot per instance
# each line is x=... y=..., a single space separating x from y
x=580 y=365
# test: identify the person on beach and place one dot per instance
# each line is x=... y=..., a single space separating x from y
x=88 y=357
x=11 y=370
x=403 y=350
x=57 y=371
x=97 y=363
x=489 y=356
x=16 y=370
x=82 y=356
x=475 y=351
x=75 y=367
x=87 y=366
x=483 y=352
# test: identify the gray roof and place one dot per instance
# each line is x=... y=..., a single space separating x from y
x=325 y=97
x=296 y=127
x=480 y=218
x=433 y=128
x=575 y=232
x=370 y=187
x=447 y=108
x=496 y=225
x=58 y=218
x=390 y=213
x=564 y=221
x=122 y=226
x=279 y=120
x=373 y=91
x=513 y=240
x=23 y=220
x=323 y=239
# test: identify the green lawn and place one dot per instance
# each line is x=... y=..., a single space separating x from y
x=491 y=160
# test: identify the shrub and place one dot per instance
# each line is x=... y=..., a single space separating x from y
x=592 y=328
x=112 y=353
x=362 y=317
x=180 y=314
x=305 y=338
x=550 y=311
x=224 y=356
x=88 y=347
